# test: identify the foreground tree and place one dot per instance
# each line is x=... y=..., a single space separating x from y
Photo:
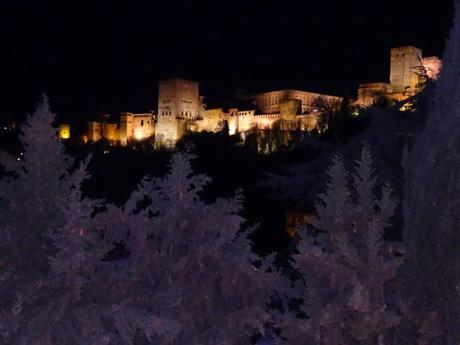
x=189 y=276
x=432 y=209
x=189 y=265
x=47 y=250
x=346 y=263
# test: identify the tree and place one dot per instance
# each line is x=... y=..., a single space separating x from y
x=29 y=192
x=189 y=266
x=188 y=277
x=431 y=208
x=48 y=250
x=348 y=264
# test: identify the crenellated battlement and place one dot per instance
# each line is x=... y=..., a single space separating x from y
x=403 y=48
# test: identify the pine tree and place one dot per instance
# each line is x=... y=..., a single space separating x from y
x=189 y=276
x=190 y=269
x=431 y=208
x=28 y=192
x=348 y=265
x=49 y=252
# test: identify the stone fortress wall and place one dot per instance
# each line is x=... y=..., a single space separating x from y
x=270 y=102
x=101 y=128
x=136 y=126
x=181 y=109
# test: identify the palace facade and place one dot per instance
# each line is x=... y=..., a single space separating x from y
x=181 y=109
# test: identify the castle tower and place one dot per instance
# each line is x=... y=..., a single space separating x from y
x=178 y=101
x=405 y=66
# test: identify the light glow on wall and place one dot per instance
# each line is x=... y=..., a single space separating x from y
x=139 y=134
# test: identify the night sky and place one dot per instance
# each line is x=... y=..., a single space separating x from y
x=96 y=57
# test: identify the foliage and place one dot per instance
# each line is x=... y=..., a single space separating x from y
x=281 y=137
x=348 y=265
x=431 y=210
x=48 y=248
x=188 y=277
x=189 y=256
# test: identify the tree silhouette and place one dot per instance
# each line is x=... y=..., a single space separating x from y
x=431 y=209
x=348 y=265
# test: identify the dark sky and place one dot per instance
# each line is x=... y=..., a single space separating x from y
x=98 y=56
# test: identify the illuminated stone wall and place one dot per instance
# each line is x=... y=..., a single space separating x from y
x=210 y=120
x=135 y=127
x=245 y=120
x=94 y=130
x=270 y=102
x=368 y=93
x=265 y=121
x=110 y=132
x=238 y=120
x=290 y=108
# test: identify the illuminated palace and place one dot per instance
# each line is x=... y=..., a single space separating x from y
x=181 y=108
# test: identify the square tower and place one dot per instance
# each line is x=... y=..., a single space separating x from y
x=178 y=101
x=406 y=63
x=179 y=98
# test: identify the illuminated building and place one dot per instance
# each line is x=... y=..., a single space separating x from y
x=102 y=128
x=409 y=70
x=181 y=108
x=136 y=127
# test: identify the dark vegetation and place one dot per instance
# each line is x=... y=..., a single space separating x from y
x=377 y=263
